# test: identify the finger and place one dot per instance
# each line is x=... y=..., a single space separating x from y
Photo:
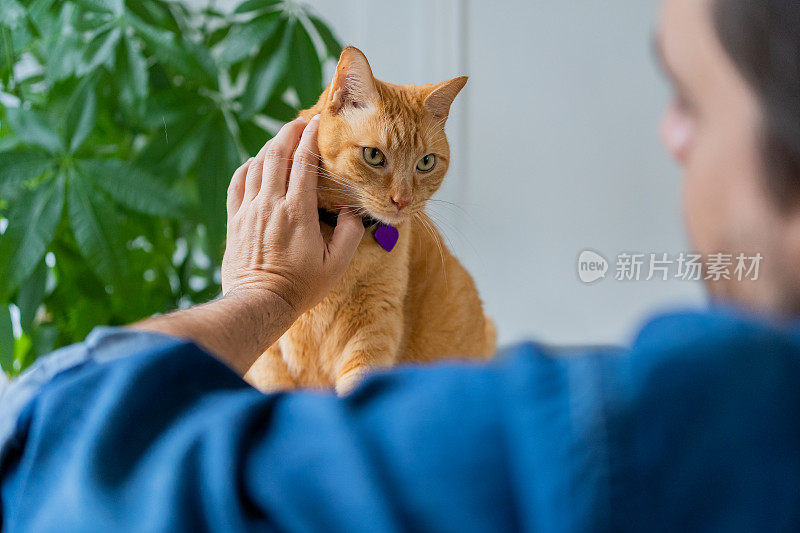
x=252 y=182
x=346 y=236
x=236 y=188
x=279 y=156
x=303 y=177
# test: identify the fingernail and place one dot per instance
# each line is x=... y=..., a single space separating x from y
x=301 y=119
x=315 y=117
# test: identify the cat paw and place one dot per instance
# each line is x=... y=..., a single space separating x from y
x=348 y=381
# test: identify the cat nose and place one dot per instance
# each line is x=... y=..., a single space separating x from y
x=401 y=201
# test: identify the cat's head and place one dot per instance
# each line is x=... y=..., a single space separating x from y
x=383 y=146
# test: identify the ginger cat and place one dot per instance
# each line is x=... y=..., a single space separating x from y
x=383 y=152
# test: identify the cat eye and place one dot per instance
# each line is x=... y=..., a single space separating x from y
x=427 y=163
x=374 y=157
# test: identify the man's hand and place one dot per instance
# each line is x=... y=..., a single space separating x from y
x=274 y=241
x=277 y=264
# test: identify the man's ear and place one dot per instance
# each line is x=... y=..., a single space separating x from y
x=441 y=97
x=353 y=84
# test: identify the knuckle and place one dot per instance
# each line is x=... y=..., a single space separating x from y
x=273 y=152
x=292 y=211
x=267 y=204
x=304 y=156
x=298 y=123
x=289 y=128
x=253 y=171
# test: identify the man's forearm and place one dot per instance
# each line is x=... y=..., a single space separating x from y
x=236 y=328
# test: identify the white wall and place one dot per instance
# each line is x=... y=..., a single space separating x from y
x=554 y=145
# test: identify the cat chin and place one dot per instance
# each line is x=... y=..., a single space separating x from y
x=391 y=220
x=388 y=219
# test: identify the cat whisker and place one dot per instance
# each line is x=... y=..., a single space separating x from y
x=324 y=170
x=360 y=212
x=461 y=234
x=318 y=156
x=333 y=177
x=444 y=235
x=337 y=189
x=435 y=237
x=455 y=207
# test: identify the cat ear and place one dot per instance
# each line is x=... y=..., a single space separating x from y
x=440 y=99
x=353 y=84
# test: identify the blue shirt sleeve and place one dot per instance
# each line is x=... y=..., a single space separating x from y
x=694 y=425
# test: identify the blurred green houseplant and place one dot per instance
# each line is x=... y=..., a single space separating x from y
x=121 y=122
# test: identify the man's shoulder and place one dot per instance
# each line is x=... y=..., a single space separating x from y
x=713 y=329
x=721 y=349
x=705 y=422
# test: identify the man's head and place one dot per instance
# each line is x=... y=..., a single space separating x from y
x=734 y=125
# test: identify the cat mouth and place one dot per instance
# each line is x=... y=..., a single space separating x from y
x=370 y=216
x=382 y=217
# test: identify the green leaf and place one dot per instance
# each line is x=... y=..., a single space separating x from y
x=31 y=227
x=253 y=136
x=41 y=17
x=22 y=354
x=6 y=339
x=7 y=58
x=173 y=51
x=13 y=14
x=63 y=46
x=177 y=146
x=167 y=108
x=132 y=70
x=217 y=163
x=155 y=13
x=81 y=114
x=43 y=339
x=216 y=36
x=21 y=165
x=132 y=79
x=242 y=40
x=90 y=24
x=106 y=6
x=32 y=129
x=94 y=224
x=30 y=296
x=278 y=109
x=305 y=72
x=100 y=50
x=332 y=44
x=133 y=188
x=202 y=56
x=268 y=70
x=255 y=5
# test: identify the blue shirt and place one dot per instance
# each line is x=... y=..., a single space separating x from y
x=695 y=427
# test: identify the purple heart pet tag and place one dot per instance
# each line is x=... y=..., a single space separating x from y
x=387 y=237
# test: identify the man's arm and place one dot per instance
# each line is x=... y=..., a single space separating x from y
x=235 y=328
x=276 y=263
